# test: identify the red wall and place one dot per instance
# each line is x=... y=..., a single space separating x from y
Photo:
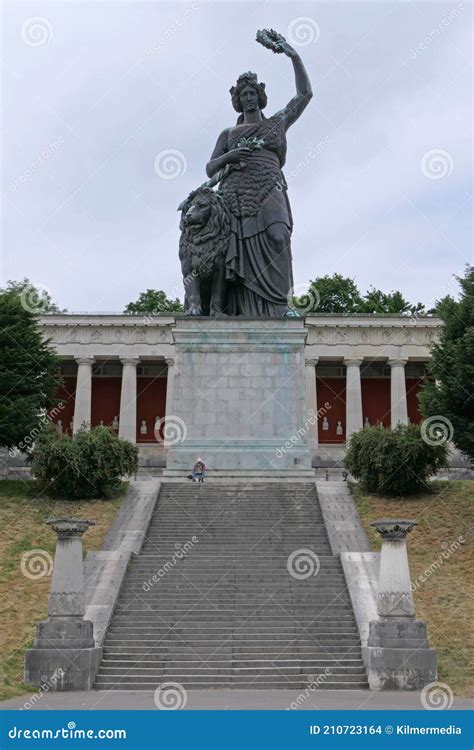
x=376 y=400
x=66 y=394
x=151 y=403
x=413 y=386
x=333 y=391
x=105 y=400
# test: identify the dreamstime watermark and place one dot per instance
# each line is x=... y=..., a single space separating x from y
x=36 y=564
x=437 y=696
x=181 y=553
x=170 y=430
x=28 y=441
x=303 y=563
x=170 y=696
x=43 y=157
x=436 y=31
x=436 y=430
x=303 y=298
x=436 y=164
x=46 y=684
x=311 y=154
x=310 y=421
x=314 y=684
x=437 y=564
x=170 y=163
x=302 y=31
x=35 y=298
x=172 y=29
x=36 y=31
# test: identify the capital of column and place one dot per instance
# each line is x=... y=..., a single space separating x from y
x=169 y=361
x=397 y=362
x=311 y=361
x=68 y=528
x=85 y=360
x=130 y=361
x=392 y=529
x=353 y=362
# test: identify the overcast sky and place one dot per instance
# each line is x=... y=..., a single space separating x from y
x=96 y=94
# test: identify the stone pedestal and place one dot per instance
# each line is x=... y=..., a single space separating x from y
x=398 y=653
x=64 y=655
x=239 y=397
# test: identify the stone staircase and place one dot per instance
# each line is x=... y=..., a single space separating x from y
x=228 y=614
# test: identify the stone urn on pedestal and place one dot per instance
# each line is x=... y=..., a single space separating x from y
x=64 y=655
x=399 y=656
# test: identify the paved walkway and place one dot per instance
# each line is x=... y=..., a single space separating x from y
x=228 y=700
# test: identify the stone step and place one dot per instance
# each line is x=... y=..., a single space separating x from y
x=228 y=613
x=174 y=672
x=107 y=683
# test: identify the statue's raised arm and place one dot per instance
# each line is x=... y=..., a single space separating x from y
x=277 y=43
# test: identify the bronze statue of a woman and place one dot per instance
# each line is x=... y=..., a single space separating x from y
x=247 y=163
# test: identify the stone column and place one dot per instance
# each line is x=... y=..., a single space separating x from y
x=353 y=397
x=170 y=386
x=398 y=653
x=394 y=597
x=311 y=403
x=64 y=655
x=128 y=400
x=83 y=398
x=398 y=392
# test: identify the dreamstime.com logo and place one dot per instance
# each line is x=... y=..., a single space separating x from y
x=36 y=31
x=174 y=430
x=437 y=696
x=448 y=550
x=436 y=430
x=170 y=164
x=302 y=31
x=170 y=696
x=313 y=684
x=180 y=554
x=437 y=164
x=303 y=298
x=35 y=564
x=310 y=421
x=303 y=563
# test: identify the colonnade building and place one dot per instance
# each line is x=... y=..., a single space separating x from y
x=360 y=370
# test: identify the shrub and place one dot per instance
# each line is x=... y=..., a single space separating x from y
x=88 y=465
x=393 y=462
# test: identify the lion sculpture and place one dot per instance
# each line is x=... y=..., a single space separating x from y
x=205 y=228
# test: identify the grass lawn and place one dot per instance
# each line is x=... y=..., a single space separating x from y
x=445 y=599
x=23 y=512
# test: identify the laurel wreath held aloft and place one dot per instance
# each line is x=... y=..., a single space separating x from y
x=270 y=39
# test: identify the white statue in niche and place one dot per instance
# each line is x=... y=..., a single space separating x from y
x=366 y=423
x=115 y=423
x=143 y=428
x=325 y=425
x=339 y=427
x=59 y=426
x=101 y=423
x=71 y=425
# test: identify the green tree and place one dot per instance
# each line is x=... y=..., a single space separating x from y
x=333 y=294
x=376 y=301
x=28 y=372
x=449 y=392
x=339 y=294
x=36 y=298
x=153 y=302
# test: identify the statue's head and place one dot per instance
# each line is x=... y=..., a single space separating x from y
x=248 y=93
